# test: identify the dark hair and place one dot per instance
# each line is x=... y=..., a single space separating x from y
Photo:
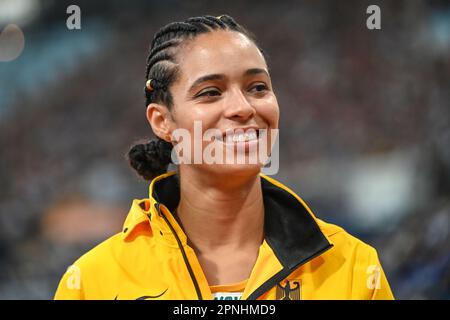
x=153 y=158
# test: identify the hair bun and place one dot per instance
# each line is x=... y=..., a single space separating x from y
x=151 y=159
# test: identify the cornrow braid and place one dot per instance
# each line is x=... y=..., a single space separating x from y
x=217 y=21
x=151 y=159
x=201 y=21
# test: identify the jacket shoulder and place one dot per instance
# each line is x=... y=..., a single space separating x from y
x=100 y=253
x=344 y=240
x=90 y=269
x=358 y=263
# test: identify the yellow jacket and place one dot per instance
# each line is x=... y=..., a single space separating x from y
x=301 y=256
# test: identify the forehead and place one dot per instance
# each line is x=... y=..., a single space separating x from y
x=222 y=52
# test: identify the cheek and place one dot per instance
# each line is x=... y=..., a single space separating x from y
x=196 y=120
x=207 y=115
x=269 y=111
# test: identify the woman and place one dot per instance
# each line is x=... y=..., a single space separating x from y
x=218 y=230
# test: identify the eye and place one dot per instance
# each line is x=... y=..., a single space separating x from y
x=208 y=93
x=260 y=87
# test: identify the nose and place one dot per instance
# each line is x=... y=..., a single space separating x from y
x=238 y=107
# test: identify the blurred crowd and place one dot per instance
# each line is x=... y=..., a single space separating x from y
x=364 y=129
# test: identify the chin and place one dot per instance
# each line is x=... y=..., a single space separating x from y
x=227 y=171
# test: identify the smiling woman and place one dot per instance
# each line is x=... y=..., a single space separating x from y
x=218 y=230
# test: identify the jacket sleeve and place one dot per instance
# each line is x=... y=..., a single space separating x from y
x=377 y=280
x=70 y=285
x=369 y=280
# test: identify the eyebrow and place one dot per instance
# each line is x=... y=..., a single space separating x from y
x=217 y=76
x=254 y=71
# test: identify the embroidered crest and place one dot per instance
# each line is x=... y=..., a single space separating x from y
x=290 y=290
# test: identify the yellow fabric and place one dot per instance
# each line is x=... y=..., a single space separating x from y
x=145 y=261
x=232 y=287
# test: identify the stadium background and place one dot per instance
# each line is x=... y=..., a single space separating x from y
x=364 y=124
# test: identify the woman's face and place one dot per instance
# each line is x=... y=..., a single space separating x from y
x=224 y=84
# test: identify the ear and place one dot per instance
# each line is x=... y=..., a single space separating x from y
x=160 y=120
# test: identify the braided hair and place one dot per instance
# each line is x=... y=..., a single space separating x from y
x=153 y=158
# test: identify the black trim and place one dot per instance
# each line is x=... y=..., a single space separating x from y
x=152 y=297
x=167 y=191
x=185 y=258
x=289 y=228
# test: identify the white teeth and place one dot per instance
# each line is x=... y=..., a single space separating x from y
x=241 y=137
x=252 y=135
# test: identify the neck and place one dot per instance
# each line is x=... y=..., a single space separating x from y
x=216 y=214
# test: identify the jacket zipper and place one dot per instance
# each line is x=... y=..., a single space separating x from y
x=183 y=252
